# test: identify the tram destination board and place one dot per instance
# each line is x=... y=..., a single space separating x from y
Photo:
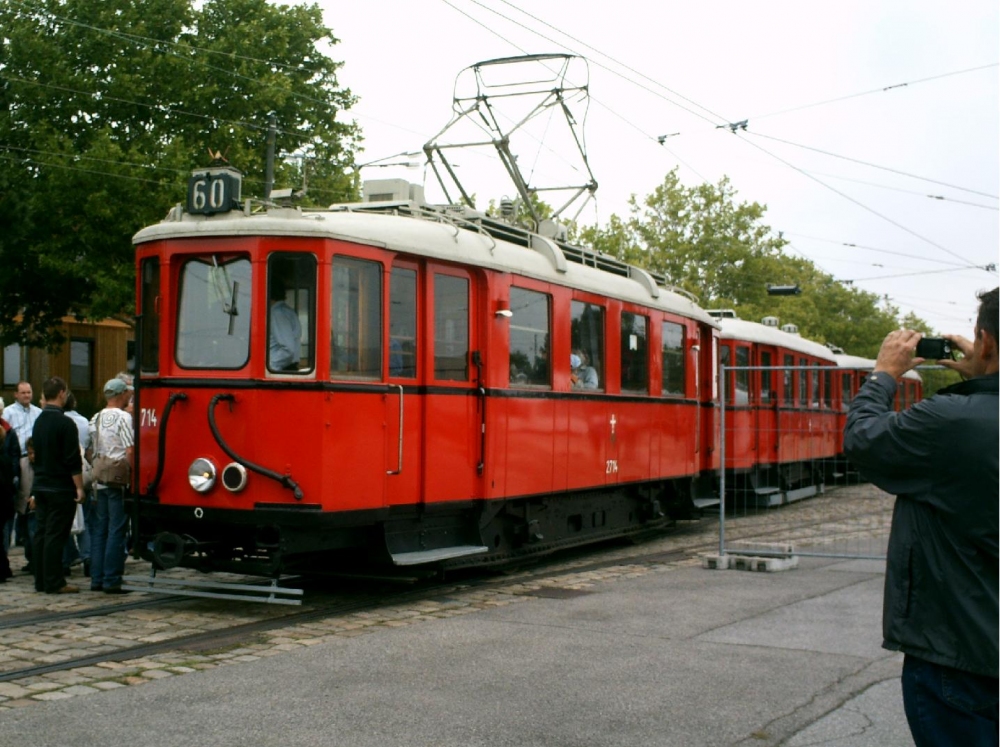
x=214 y=191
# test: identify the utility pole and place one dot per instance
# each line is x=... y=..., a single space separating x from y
x=272 y=133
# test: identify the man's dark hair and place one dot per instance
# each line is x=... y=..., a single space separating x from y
x=70 y=401
x=52 y=387
x=989 y=312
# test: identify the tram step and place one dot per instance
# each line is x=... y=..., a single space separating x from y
x=706 y=502
x=433 y=556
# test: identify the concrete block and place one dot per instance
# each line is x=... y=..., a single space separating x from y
x=715 y=562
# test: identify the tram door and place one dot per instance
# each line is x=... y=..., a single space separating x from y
x=434 y=411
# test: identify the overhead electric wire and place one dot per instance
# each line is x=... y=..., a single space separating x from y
x=876 y=249
x=883 y=89
x=909 y=274
x=940 y=198
x=873 y=165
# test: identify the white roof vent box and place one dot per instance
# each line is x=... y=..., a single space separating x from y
x=770 y=321
x=792 y=329
x=722 y=314
x=392 y=190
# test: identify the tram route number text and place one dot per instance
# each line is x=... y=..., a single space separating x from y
x=147 y=418
x=611 y=467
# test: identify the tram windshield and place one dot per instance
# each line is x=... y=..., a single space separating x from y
x=213 y=313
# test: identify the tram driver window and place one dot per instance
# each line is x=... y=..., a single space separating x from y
x=529 y=338
x=587 y=345
x=291 y=317
x=356 y=327
x=213 y=313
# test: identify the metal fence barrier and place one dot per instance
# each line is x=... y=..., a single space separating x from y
x=785 y=488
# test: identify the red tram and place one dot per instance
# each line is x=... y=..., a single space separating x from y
x=429 y=411
x=781 y=425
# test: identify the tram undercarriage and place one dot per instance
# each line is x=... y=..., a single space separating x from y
x=272 y=541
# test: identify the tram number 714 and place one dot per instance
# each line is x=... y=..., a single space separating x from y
x=147 y=418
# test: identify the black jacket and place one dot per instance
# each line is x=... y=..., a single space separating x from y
x=57 y=452
x=940 y=459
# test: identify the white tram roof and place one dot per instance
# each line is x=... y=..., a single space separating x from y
x=438 y=236
x=868 y=364
x=740 y=329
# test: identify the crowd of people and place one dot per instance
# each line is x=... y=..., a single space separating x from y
x=51 y=500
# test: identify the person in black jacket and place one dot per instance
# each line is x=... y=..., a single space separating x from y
x=940 y=458
x=6 y=501
x=58 y=487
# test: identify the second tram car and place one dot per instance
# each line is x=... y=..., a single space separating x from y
x=781 y=410
x=385 y=382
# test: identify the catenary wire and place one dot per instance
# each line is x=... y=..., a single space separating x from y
x=940 y=198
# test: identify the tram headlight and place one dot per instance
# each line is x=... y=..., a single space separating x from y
x=234 y=477
x=202 y=474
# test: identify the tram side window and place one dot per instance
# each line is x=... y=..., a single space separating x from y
x=213 y=313
x=149 y=274
x=845 y=390
x=356 y=331
x=805 y=379
x=673 y=358
x=403 y=323
x=828 y=389
x=451 y=328
x=725 y=355
x=814 y=381
x=291 y=314
x=634 y=353
x=587 y=344
x=789 y=381
x=766 y=379
x=742 y=375
x=530 y=335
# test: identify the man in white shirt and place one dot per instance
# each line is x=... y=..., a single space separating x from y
x=22 y=415
x=285 y=337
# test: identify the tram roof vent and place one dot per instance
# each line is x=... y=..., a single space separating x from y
x=792 y=329
x=770 y=321
x=722 y=314
x=392 y=190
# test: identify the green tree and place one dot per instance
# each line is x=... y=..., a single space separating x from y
x=703 y=240
x=105 y=107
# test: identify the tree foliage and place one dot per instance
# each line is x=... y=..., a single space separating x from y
x=105 y=107
x=708 y=243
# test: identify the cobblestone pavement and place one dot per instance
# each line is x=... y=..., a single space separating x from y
x=856 y=515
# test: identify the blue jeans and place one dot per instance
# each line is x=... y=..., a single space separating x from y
x=946 y=706
x=107 y=539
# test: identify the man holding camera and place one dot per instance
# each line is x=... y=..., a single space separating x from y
x=940 y=458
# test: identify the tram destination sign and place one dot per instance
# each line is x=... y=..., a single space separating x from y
x=215 y=190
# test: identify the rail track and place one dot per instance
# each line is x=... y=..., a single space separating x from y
x=804 y=523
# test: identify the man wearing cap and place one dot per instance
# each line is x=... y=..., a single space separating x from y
x=110 y=436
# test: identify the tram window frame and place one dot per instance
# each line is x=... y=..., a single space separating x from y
x=355 y=318
x=291 y=280
x=634 y=369
x=202 y=339
x=789 y=380
x=452 y=327
x=149 y=320
x=672 y=352
x=530 y=363
x=725 y=354
x=814 y=386
x=805 y=383
x=766 y=378
x=404 y=327
x=742 y=378
x=589 y=338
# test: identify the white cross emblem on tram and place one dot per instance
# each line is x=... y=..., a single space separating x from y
x=614 y=422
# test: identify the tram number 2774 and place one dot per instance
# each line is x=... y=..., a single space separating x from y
x=611 y=467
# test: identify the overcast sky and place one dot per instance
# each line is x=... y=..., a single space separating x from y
x=738 y=60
